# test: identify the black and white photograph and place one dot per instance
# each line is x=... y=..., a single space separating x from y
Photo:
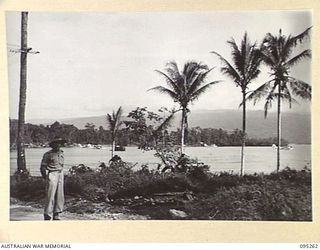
x=154 y=115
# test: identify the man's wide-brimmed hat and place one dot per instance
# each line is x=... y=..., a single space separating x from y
x=57 y=140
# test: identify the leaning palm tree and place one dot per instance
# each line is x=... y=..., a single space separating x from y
x=184 y=87
x=114 y=122
x=243 y=69
x=276 y=52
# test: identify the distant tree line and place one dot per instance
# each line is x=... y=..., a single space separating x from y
x=42 y=134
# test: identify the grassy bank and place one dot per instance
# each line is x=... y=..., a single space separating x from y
x=195 y=193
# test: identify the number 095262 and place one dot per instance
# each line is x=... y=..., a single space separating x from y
x=309 y=246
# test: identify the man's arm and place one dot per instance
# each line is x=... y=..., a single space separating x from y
x=43 y=167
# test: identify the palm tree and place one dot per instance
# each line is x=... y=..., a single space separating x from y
x=276 y=52
x=244 y=69
x=185 y=87
x=114 y=122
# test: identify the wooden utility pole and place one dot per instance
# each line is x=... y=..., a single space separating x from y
x=23 y=93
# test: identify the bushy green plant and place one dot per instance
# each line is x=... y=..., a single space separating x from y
x=80 y=169
x=298 y=177
x=32 y=188
x=279 y=196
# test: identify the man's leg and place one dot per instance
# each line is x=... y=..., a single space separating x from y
x=51 y=187
x=59 y=198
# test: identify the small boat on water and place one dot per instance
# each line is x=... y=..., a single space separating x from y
x=89 y=145
x=288 y=147
x=119 y=148
x=202 y=144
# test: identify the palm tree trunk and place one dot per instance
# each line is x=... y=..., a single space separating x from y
x=113 y=146
x=183 y=129
x=21 y=161
x=279 y=127
x=243 y=131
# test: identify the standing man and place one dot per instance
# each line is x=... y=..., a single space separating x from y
x=52 y=170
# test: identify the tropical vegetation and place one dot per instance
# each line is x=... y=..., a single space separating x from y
x=41 y=135
x=180 y=182
x=114 y=122
x=185 y=87
x=243 y=69
x=201 y=195
x=277 y=53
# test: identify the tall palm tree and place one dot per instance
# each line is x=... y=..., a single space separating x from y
x=114 y=122
x=243 y=69
x=276 y=52
x=184 y=87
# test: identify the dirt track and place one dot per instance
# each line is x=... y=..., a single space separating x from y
x=26 y=212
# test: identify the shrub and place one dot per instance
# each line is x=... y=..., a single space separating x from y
x=302 y=177
x=32 y=188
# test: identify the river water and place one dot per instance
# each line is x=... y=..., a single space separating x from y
x=257 y=159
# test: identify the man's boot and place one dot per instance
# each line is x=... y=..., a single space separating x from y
x=47 y=217
x=56 y=216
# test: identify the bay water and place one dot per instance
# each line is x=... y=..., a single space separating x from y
x=257 y=159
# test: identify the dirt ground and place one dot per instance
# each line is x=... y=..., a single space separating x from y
x=27 y=211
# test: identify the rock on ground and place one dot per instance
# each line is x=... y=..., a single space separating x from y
x=177 y=213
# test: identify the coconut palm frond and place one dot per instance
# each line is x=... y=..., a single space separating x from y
x=286 y=49
x=303 y=55
x=270 y=50
x=228 y=69
x=197 y=81
x=167 y=91
x=246 y=55
x=300 y=88
x=299 y=38
x=173 y=69
x=191 y=69
x=260 y=92
x=269 y=99
x=196 y=94
x=235 y=51
x=267 y=57
x=272 y=96
x=171 y=82
x=117 y=117
x=238 y=56
x=254 y=63
x=192 y=74
x=110 y=120
x=173 y=65
x=287 y=96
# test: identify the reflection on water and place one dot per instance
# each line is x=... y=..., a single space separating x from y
x=257 y=159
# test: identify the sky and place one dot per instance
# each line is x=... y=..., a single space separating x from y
x=91 y=63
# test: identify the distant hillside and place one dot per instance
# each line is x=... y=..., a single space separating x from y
x=296 y=127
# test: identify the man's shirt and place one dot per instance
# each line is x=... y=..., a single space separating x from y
x=53 y=161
